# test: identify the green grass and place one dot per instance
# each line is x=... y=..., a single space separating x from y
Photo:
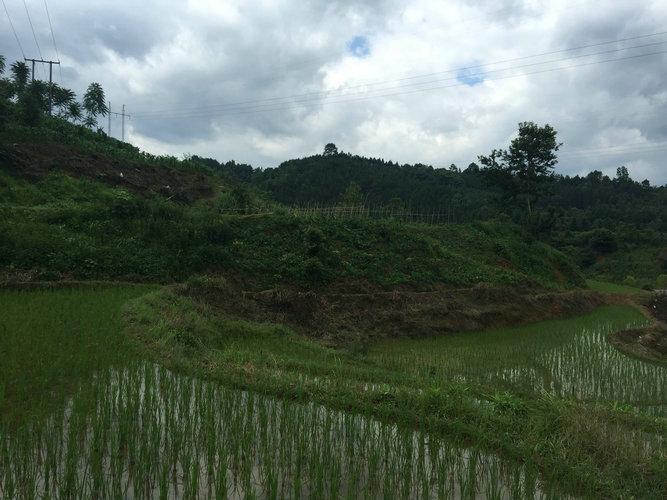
x=608 y=287
x=52 y=339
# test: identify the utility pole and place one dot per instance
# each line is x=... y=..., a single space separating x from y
x=123 y=116
x=50 y=63
x=109 y=127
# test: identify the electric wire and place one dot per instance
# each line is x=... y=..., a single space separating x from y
x=53 y=38
x=329 y=93
x=13 y=30
x=34 y=35
x=288 y=106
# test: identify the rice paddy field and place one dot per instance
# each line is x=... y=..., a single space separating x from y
x=569 y=358
x=83 y=414
x=151 y=433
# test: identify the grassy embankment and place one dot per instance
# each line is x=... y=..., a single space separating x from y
x=518 y=403
x=608 y=287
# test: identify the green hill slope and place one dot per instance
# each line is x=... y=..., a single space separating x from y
x=76 y=205
x=573 y=214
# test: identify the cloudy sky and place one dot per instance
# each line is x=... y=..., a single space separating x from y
x=430 y=81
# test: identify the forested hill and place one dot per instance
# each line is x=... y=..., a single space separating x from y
x=325 y=178
x=600 y=200
x=615 y=227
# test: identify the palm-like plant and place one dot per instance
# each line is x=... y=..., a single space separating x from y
x=20 y=74
x=94 y=103
x=6 y=87
x=33 y=102
x=74 y=112
x=62 y=98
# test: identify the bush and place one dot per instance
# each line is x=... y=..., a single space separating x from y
x=661 y=281
x=602 y=241
x=314 y=239
x=630 y=281
x=314 y=269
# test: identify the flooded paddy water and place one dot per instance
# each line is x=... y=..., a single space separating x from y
x=143 y=431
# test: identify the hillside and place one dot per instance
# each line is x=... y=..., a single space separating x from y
x=79 y=206
x=612 y=228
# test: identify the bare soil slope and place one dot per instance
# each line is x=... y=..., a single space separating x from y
x=35 y=161
x=650 y=342
x=343 y=318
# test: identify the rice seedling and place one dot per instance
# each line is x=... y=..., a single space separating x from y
x=52 y=339
x=398 y=423
x=570 y=358
x=155 y=433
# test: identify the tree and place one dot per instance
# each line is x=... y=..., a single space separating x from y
x=6 y=91
x=330 y=149
x=595 y=177
x=33 y=102
x=622 y=174
x=20 y=74
x=602 y=241
x=89 y=121
x=472 y=168
x=94 y=103
x=62 y=98
x=74 y=112
x=530 y=159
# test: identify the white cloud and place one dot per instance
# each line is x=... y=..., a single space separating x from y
x=195 y=61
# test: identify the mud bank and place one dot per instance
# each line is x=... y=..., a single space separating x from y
x=648 y=343
x=341 y=318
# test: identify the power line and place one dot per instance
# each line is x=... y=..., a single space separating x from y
x=39 y=51
x=53 y=37
x=417 y=84
x=288 y=106
x=297 y=98
x=620 y=146
x=522 y=58
x=613 y=151
x=13 y=30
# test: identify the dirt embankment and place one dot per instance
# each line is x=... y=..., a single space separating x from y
x=343 y=318
x=35 y=161
x=650 y=342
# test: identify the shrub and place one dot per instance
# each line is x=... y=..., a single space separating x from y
x=630 y=280
x=602 y=241
x=661 y=281
x=314 y=239
x=314 y=269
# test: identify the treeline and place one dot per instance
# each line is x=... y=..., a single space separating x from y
x=614 y=227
